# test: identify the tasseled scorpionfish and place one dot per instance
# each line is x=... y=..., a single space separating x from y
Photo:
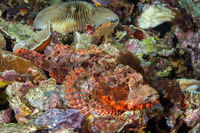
x=94 y=80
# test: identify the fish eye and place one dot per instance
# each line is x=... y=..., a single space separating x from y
x=127 y=80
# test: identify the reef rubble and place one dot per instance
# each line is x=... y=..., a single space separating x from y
x=99 y=66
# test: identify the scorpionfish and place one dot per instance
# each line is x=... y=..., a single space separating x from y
x=95 y=82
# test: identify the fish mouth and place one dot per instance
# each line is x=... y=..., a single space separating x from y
x=114 y=20
x=151 y=98
x=147 y=102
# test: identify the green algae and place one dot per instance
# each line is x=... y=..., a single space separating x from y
x=150 y=44
x=16 y=31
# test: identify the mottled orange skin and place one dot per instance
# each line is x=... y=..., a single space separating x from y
x=87 y=93
x=95 y=81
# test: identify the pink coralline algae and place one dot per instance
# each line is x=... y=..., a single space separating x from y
x=189 y=41
x=9 y=75
x=95 y=81
x=192 y=117
x=57 y=118
x=5 y=115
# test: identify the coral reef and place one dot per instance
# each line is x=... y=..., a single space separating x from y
x=195 y=129
x=109 y=66
x=82 y=41
x=123 y=8
x=141 y=47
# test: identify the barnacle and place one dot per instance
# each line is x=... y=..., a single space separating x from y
x=73 y=16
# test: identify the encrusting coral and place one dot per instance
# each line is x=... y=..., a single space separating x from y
x=57 y=118
x=30 y=100
x=16 y=31
x=95 y=81
x=73 y=16
x=38 y=41
x=153 y=15
x=2 y=42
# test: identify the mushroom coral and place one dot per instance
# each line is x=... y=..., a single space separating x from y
x=73 y=16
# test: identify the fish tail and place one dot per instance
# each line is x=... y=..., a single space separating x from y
x=33 y=56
